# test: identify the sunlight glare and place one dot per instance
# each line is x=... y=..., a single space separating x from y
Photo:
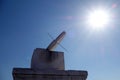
x=98 y=19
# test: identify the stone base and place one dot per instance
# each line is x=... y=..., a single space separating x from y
x=45 y=59
x=30 y=74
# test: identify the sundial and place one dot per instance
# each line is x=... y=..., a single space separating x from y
x=47 y=64
x=48 y=58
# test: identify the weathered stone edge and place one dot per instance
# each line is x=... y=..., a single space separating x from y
x=29 y=71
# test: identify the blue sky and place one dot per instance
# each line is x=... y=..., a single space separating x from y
x=25 y=24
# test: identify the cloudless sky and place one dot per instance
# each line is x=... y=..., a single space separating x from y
x=25 y=24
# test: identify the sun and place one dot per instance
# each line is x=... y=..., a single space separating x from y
x=98 y=19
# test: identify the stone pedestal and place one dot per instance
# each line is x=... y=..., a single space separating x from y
x=30 y=74
x=47 y=65
x=45 y=59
